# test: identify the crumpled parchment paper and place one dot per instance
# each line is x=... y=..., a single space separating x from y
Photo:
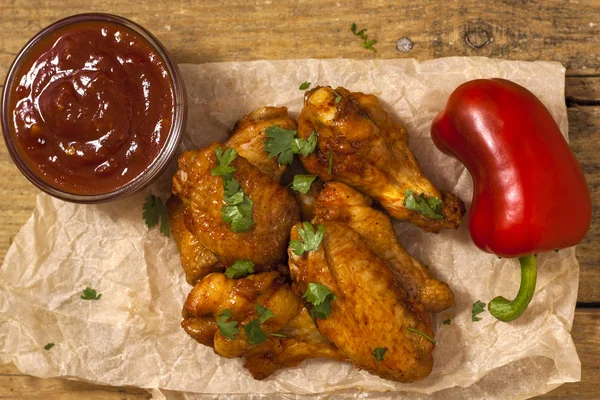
x=131 y=336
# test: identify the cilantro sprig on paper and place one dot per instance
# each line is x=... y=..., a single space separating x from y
x=304 y=85
x=430 y=207
x=90 y=294
x=478 y=308
x=154 y=210
x=283 y=144
x=237 y=211
x=310 y=239
x=320 y=297
x=240 y=269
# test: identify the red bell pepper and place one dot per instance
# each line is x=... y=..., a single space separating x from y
x=530 y=194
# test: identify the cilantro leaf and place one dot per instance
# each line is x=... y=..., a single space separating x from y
x=305 y=146
x=320 y=297
x=447 y=322
x=305 y=85
x=338 y=99
x=367 y=44
x=430 y=207
x=478 y=308
x=330 y=163
x=279 y=144
x=302 y=183
x=228 y=328
x=426 y=336
x=254 y=333
x=224 y=158
x=154 y=210
x=240 y=269
x=238 y=216
x=48 y=346
x=263 y=313
x=310 y=239
x=90 y=294
x=379 y=353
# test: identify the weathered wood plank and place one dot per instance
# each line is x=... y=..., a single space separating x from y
x=196 y=32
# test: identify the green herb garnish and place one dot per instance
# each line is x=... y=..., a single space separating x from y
x=302 y=183
x=263 y=313
x=432 y=340
x=224 y=158
x=478 y=308
x=305 y=85
x=330 y=163
x=254 y=333
x=367 y=44
x=48 y=346
x=430 y=207
x=154 y=210
x=240 y=269
x=228 y=328
x=283 y=144
x=90 y=294
x=379 y=353
x=310 y=239
x=320 y=297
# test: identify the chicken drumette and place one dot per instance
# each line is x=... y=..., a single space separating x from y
x=291 y=335
x=339 y=202
x=369 y=151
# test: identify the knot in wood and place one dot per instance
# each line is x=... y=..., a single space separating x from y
x=477 y=38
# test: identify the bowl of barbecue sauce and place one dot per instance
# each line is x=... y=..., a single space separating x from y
x=93 y=108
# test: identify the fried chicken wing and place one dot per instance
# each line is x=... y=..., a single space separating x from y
x=370 y=310
x=339 y=202
x=248 y=138
x=296 y=337
x=370 y=152
x=274 y=210
x=196 y=260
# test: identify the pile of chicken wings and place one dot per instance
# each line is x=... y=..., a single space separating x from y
x=378 y=296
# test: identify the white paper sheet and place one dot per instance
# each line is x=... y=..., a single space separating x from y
x=131 y=336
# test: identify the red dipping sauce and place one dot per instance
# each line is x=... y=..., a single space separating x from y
x=91 y=107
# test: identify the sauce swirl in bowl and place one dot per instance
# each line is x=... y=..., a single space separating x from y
x=93 y=108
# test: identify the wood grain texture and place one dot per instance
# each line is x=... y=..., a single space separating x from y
x=228 y=30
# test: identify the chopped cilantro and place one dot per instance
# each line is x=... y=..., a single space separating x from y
x=478 y=308
x=283 y=144
x=338 y=99
x=305 y=146
x=320 y=297
x=310 y=239
x=90 y=294
x=154 y=210
x=263 y=313
x=302 y=183
x=422 y=334
x=305 y=85
x=367 y=44
x=330 y=163
x=228 y=328
x=254 y=333
x=430 y=207
x=224 y=158
x=379 y=353
x=240 y=269
x=48 y=346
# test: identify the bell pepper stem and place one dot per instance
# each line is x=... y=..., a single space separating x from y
x=506 y=310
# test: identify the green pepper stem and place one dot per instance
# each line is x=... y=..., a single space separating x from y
x=506 y=310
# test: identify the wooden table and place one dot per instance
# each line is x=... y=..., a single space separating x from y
x=227 y=30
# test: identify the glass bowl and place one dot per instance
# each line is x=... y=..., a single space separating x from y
x=166 y=153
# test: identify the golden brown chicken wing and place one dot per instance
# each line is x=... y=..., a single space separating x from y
x=274 y=210
x=290 y=334
x=371 y=314
x=339 y=202
x=369 y=151
x=248 y=138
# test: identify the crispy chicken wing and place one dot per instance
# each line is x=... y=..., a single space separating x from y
x=370 y=152
x=370 y=310
x=274 y=210
x=248 y=138
x=296 y=337
x=339 y=202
